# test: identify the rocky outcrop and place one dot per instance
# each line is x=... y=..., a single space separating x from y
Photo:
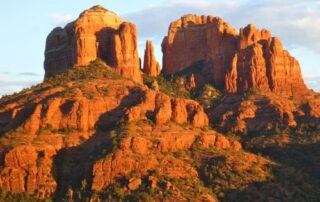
x=257 y=112
x=76 y=113
x=150 y=65
x=261 y=63
x=161 y=108
x=124 y=52
x=230 y=60
x=97 y=33
x=140 y=153
x=199 y=41
x=30 y=171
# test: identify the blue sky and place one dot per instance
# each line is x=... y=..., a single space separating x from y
x=25 y=25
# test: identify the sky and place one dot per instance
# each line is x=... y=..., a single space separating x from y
x=26 y=24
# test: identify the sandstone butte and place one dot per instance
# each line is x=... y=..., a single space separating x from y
x=150 y=65
x=102 y=131
x=97 y=33
x=230 y=60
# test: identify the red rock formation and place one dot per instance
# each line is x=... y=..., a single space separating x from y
x=200 y=118
x=161 y=108
x=231 y=61
x=59 y=136
x=191 y=82
x=124 y=52
x=27 y=171
x=257 y=113
x=76 y=112
x=203 y=41
x=262 y=63
x=131 y=155
x=150 y=65
x=97 y=33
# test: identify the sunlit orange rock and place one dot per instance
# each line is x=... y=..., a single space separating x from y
x=200 y=118
x=262 y=63
x=230 y=60
x=28 y=170
x=97 y=33
x=150 y=65
x=205 y=42
x=161 y=108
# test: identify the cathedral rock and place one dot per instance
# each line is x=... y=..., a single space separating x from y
x=97 y=33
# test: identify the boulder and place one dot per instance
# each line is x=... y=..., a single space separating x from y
x=200 y=119
x=134 y=183
x=163 y=109
x=222 y=142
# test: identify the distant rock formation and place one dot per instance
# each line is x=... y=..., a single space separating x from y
x=230 y=60
x=97 y=33
x=150 y=65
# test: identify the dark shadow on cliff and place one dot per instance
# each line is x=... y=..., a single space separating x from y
x=266 y=116
x=72 y=167
x=296 y=176
x=7 y=122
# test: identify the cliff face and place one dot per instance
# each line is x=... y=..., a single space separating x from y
x=97 y=33
x=200 y=39
x=230 y=60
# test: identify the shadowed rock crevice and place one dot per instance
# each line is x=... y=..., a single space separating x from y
x=295 y=176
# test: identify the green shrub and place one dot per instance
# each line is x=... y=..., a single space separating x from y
x=95 y=70
x=168 y=86
x=18 y=197
x=206 y=95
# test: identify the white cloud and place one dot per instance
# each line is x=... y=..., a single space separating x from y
x=28 y=74
x=294 y=21
x=313 y=83
x=62 y=19
x=16 y=84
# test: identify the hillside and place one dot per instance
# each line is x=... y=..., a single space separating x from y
x=230 y=120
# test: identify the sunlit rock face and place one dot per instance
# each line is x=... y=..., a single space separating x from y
x=233 y=61
x=150 y=65
x=97 y=33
